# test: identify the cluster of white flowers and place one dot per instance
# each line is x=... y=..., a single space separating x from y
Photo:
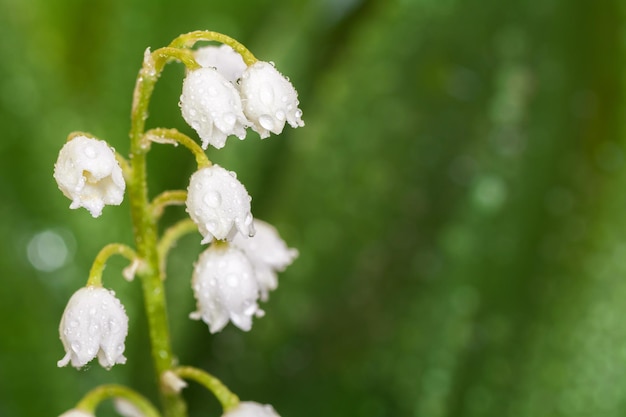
x=94 y=324
x=240 y=267
x=224 y=97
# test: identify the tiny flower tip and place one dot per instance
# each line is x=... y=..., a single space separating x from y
x=225 y=288
x=87 y=172
x=173 y=381
x=211 y=105
x=219 y=204
x=269 y=99
x=126 y=408
x=94 y=324
x=251 y=409
x=76 y=413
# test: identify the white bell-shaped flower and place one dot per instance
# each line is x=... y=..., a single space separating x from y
x=76 y=413
x=219 y=204
x=89 y=175
x=223 y=58
x=268 y=254
x=251 y=409
x=225 y=288
x=211 y=105
x=94 y=323
x=269 y=99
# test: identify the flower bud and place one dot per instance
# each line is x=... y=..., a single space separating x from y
x=211 y=105
x=219 y=204
x=88 y=174
x=251 y=409
x=225 y=288
x=224 y=59
x=94 y=323
x=268 y=254
x=269 y=99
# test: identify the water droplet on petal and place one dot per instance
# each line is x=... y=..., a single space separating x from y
x=232 y=280
x=280 y=115
x=212 y=199
x=90 y=152
x=266 y=122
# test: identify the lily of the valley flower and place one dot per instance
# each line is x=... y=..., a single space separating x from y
x=268 y=254
x=211 y=105
x=94 y=324
x=88 y=174
x=225 y=288
x=219 y=204
x=251 y=409
x=269 y=99
x=224 y=59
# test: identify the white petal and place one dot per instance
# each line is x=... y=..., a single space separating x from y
x=87 y=172
x=94 y=324
x=224 y=59
x=219 y=204
x=211 y=105
x=225 y=288
x=269 y=99
x=268 y=253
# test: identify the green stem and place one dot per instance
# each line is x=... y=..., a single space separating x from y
x=145 y=228
x=167 y=198
x=99 y=263
x=161 y=135
x=93 y=398
x=171 y=236
x=221 y=392
x=188 y=40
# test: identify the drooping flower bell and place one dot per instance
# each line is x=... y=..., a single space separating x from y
x=269 y=99
x=94 y=324
x=211 y=105
x=225 y=288
x=223 y=58
x=219 y=204
x=268 y=254
x=88 y=174
x=251 y=409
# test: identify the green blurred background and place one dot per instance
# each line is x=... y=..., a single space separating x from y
x=457 y=197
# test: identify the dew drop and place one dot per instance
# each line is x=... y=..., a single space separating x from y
x=280 y=115
x=298 y=113
x=75 y=347
x=266 y=122
x=230 y=119
x=90 y=152
x=266 y=96
x=212 y=199
x=232 y=280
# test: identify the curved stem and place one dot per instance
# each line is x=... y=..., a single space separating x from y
x=221 y=392
x=99 y=263
x=170 y=237
x=145 y=224
x=188 y=40
x=161 y=135
x=167 y=198
x=93 y=398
